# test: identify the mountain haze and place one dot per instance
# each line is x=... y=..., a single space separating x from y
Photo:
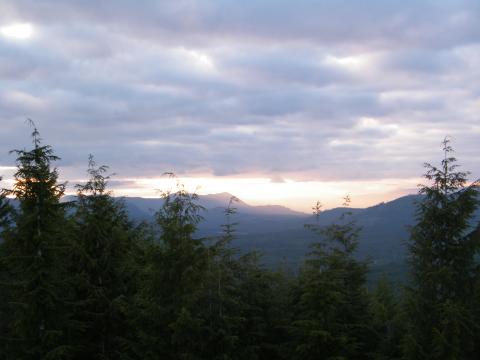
x=279 y=233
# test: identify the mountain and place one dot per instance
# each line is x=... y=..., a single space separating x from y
x=280 y=234
x=269 y=226
x=144 y=208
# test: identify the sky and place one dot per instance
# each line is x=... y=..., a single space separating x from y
x=275 y=101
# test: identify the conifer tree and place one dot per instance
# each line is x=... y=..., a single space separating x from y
x=263 y=300
x=170 y=326
x=5 y=219
x=244 y=303
x=474 y=236
x=34 y=256
x=104 y=262
x=220 y=297
x=331 y=303
x=5 y=213
x=442 y=259
x=386 y=321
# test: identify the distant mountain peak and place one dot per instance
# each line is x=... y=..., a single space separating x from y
x=220 y=196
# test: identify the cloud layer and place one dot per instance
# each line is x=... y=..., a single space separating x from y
x=305 y=90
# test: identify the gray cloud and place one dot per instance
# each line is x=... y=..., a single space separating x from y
x=378 y=22
x=310 y=90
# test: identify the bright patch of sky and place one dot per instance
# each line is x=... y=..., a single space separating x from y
x=17 y=31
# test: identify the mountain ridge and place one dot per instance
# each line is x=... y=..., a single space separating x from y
x=269 y=228
x=280 y=234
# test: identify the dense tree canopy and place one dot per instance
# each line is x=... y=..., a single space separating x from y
x=80 y=280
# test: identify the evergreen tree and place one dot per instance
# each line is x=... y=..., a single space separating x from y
x=5 y=219
x=6 y=213
x=34 y=256
x=105 y=267
x=169 y=326
x=264 y=310
x=386 y=321
x=244 y=305
x=219 y=302
x=474 y=237
x=442 y=259
x=331 y=304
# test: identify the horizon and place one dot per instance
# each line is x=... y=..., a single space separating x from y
x=242 y=189
x=297 y=196
x=247 y=203
x=254 y=202
x=273 y=101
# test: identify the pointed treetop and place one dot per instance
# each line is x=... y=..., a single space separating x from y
x=446 y=178
x=230 y=210
x=317 y=209
x=37 y=140
x=97 y=184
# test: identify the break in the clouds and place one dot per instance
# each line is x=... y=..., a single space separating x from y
x=302 y=90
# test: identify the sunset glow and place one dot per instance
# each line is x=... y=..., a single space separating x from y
x=297 y=195
x=237 y=97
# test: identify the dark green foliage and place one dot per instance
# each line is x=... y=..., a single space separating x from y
x=332 y=318
x=5 y=219
x=263 y=296
x=105 y=269
x=247 y=304
x=386 y=321
x=219 y=301
x=173 y=282
x=33 y=259
x=443 y=267
x=203 y=301
x=79 y=281
x=6 y=213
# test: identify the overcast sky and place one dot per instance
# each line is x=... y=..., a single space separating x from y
x=267 y=99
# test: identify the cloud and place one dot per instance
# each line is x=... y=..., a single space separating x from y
x=311 y=90
x=375 y=23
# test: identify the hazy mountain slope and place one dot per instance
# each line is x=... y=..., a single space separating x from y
x=279 y=232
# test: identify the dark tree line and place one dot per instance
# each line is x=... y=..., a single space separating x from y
x=80 y=280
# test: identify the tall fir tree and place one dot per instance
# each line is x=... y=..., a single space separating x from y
x=219 y=301
x=34 y=256
x=5 y=220
x=443 y=267
x=169 y=326
x=330 y=302
x=244 y=305
x=104 y=262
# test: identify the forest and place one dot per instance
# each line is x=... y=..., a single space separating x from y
x=80 y=280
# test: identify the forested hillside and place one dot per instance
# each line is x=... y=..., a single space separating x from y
x=280 y=235
x=83 y=279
